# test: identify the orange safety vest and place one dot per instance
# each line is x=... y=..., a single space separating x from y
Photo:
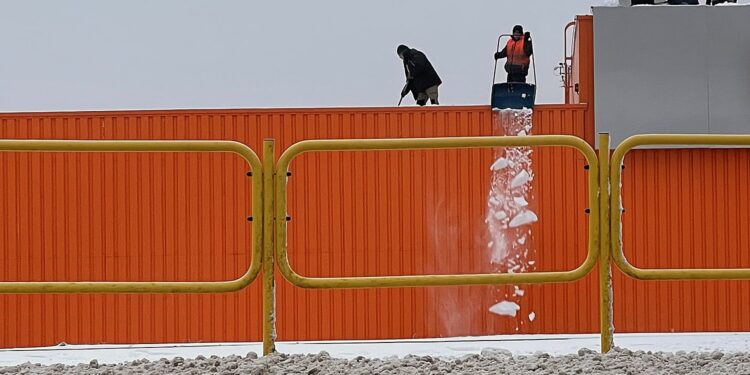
x=516 y=56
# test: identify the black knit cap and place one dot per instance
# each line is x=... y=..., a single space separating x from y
x=518 y=28
x=400 y=49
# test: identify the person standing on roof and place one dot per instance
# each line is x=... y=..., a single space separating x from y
x=518 y=53
x=421 y=78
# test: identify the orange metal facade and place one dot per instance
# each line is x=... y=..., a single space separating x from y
x=182 y=217
x=685 y=208
x=582 y=80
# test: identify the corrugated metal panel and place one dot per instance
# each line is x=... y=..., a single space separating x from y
x=424 y=217
x=121 y=217
x=167 y=216
x=582 y=90
x=583 y=61
x=685 y=208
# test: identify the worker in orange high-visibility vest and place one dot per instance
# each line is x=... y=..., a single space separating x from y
x=517 y=53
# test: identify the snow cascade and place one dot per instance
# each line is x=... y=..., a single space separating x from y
x=509 y=217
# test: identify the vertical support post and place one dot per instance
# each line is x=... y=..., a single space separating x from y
x=269 y=225
x=605 y=271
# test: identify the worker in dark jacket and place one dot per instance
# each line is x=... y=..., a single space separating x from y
x=421 y=78
x=518 y=53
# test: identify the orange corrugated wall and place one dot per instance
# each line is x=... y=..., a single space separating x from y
x=582 y=80
x=182 y=217
x=685 y=208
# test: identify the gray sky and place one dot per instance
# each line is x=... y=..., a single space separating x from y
x=146 y=54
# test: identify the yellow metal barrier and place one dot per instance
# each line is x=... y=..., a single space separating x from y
x=150 y=146
x=269 y=287
x=435 y=143
x=616 y=225
x=606 y=316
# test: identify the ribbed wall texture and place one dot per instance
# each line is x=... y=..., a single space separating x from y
x=182 y=217
x=582 y=82
x=685 y=209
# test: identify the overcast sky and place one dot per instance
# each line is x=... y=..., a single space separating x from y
x=148 y=54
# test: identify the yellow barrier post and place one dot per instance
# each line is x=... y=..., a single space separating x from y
x=618 y=157
x=296 y=149
x=605 y=271
x=269 y=289
x=16 y=145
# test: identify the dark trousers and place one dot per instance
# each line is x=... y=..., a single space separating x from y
x=517 y=77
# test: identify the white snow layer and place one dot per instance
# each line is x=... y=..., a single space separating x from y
x=444 y=347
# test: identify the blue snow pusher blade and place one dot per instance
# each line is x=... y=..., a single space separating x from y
x=513 y=95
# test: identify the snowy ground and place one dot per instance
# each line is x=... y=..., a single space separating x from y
x=683 y=353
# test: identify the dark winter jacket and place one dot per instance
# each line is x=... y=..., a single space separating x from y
x=420 y=74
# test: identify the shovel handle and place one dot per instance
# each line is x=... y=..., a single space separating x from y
x=494 y=71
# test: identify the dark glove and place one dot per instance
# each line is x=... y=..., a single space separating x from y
x=498 y=56
x=527 y=35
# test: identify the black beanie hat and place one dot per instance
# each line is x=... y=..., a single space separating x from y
x=401 y=49
x=518 y=28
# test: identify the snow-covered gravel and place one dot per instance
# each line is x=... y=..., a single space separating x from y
x=490 y=361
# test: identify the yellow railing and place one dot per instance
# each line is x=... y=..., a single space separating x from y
x=140 y=286
x=295 y=150
x=269 y=226
x=618 y=157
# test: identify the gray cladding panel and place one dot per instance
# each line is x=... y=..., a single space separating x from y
x=728 y=60
x=671 y=69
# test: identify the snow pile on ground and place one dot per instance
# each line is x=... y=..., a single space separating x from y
x=490 y=361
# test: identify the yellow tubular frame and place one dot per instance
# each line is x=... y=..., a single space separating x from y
x=616 y=224
x=435 y=143
x=269 y=287
x=149 y=146
x=606 y=317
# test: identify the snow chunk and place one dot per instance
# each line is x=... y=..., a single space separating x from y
x=500 y=215
x=523 y=218
x=532 y=316
x=520 y=179
x=519 y=292
x=520 y=201
x=500 y=163
x=505 y=308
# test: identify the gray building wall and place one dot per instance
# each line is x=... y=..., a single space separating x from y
x=672 y=69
